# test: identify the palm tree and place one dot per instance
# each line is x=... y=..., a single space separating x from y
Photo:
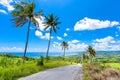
x=51 y=23
x=64 y=47
x=91 y=51
x=23 y=13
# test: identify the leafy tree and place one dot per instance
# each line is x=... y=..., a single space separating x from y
x=64 y=47
x=24 y=13
x=51 y=23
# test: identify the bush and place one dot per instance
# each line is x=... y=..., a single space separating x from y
x=40 y=61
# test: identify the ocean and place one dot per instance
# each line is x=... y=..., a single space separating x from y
x=38 y=54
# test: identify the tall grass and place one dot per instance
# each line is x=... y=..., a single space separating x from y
x=12 y=68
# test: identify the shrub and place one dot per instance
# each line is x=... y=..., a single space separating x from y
x=40 y=61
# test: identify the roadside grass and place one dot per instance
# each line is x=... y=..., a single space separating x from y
x=12 y=68
x=113 y=65
x=101 y=71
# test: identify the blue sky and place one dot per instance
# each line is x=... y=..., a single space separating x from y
x=84 y=22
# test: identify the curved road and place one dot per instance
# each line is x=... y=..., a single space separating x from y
x=71 y=72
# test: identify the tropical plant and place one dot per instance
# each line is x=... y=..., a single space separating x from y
x=24 y=13
x=85 y=57
x=64 y=47
x=51 y=23
x=91 y=52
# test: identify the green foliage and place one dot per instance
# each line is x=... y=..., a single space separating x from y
x=40 y=61
x=91 y=51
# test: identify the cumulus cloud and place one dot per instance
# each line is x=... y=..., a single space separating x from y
x=7 y=4
x=3 y=11
x=93 y=24
x=11 y=49
x=67 y=29
x=74 y=45
x=59 y=38
x=78 y=46
x=40 y=35
x=65 y=34
x=108 y=39
x=74 y=41
x=107 y=43
x=40 y=21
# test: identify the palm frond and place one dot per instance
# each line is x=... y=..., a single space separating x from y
x=54 y=28
x=37 y=14
x=46 y=27
x=35 y=22
x=19 y=21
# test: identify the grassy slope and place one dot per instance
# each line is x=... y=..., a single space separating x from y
x=12 y=68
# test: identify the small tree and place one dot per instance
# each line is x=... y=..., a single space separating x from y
x=91 y=52
x=64 y=47
x=85 y=57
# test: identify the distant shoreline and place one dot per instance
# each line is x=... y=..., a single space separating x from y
x=38 y=54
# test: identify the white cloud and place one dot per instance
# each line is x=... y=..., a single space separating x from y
x=46 y=36
x=108 y=39
x=67 y=29
x=7 y=4
x=19 y=49
x=116 y=34
x=40 y=35
x=73 y=47
x=65 y=34
x=107 y=43
x=59 y=38
x=3 y=11
x=40 y=21
x=78 y=46
x=11 y=49
x=93 y=24
x=74 y=41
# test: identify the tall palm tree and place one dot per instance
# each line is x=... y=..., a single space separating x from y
x=64 y=47
x=24 y=13
x=51 y=23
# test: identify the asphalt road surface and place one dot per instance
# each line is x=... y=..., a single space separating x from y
x=71 y=72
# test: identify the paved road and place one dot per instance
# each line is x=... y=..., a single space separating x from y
x=71 y=72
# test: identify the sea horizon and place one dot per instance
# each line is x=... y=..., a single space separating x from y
x=38 y=54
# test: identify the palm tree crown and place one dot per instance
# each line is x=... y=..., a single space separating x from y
x=24 y=12
x=51 y=22
x=64 y=45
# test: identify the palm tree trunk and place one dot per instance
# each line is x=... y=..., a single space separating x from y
x=48 y=44
x=64 y=54
x=27 y=38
